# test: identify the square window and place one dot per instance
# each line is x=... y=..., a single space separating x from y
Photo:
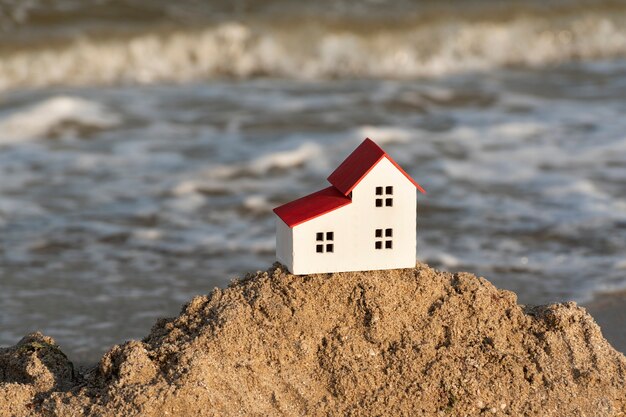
x=388 y=232
x=330 y=247
x=388 y=244
x=379 y=232
x=389 y=202
x=389 y=189
x=379 y=245
x=379 y=190
x=379 y=202
x=319 y=236
x=320 y=248
x=329 y=235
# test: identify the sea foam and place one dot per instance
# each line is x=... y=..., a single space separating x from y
x=40 y=119
x=316 y=50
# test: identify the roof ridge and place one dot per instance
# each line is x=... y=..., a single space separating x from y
x=359 y=163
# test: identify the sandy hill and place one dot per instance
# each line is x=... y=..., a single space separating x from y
x=401 y=342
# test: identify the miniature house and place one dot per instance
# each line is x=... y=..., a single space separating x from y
x=365 y=220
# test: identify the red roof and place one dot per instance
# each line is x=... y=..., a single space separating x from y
x=359 y=163
x=311 y=206
x=343 y=180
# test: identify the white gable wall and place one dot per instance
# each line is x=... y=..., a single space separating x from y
x=401 y=217
x=353 y=227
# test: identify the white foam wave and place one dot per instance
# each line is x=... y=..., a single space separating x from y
x=39 y=120
x=317 y=51
x=385 y=134
x=286 y=159
x=257 y=204
x=444 y=259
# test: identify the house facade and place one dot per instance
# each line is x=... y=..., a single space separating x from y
x=366 y=220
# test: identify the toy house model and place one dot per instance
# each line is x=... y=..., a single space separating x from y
x=365 y=220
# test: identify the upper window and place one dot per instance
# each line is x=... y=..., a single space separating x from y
x=384 y=195
x=324 y=242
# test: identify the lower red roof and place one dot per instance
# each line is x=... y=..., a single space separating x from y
x=311 y=206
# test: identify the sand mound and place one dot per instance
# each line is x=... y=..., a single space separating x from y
x=402 y=342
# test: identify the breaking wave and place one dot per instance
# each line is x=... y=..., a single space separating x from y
x=54 y=115
x=312 y=50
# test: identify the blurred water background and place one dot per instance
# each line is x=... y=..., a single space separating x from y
x=143 y=144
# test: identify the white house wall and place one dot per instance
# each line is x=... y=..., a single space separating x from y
x=306 y=260
x=354 y=225
x=284 y=244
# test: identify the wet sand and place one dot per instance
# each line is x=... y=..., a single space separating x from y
x=609 y=311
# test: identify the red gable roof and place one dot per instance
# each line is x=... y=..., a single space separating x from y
x=359 y=163
x=343 y=180
x=311 y=206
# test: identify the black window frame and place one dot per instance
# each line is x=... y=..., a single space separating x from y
x=383 y=238
x=322 y=240
x=384 y=196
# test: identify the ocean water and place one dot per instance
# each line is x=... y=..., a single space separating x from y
x=143 y=145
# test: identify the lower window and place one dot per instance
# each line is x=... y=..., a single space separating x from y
x=383 y=238
x=324 y=242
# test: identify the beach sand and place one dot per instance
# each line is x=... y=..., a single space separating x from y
x=398 y=342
